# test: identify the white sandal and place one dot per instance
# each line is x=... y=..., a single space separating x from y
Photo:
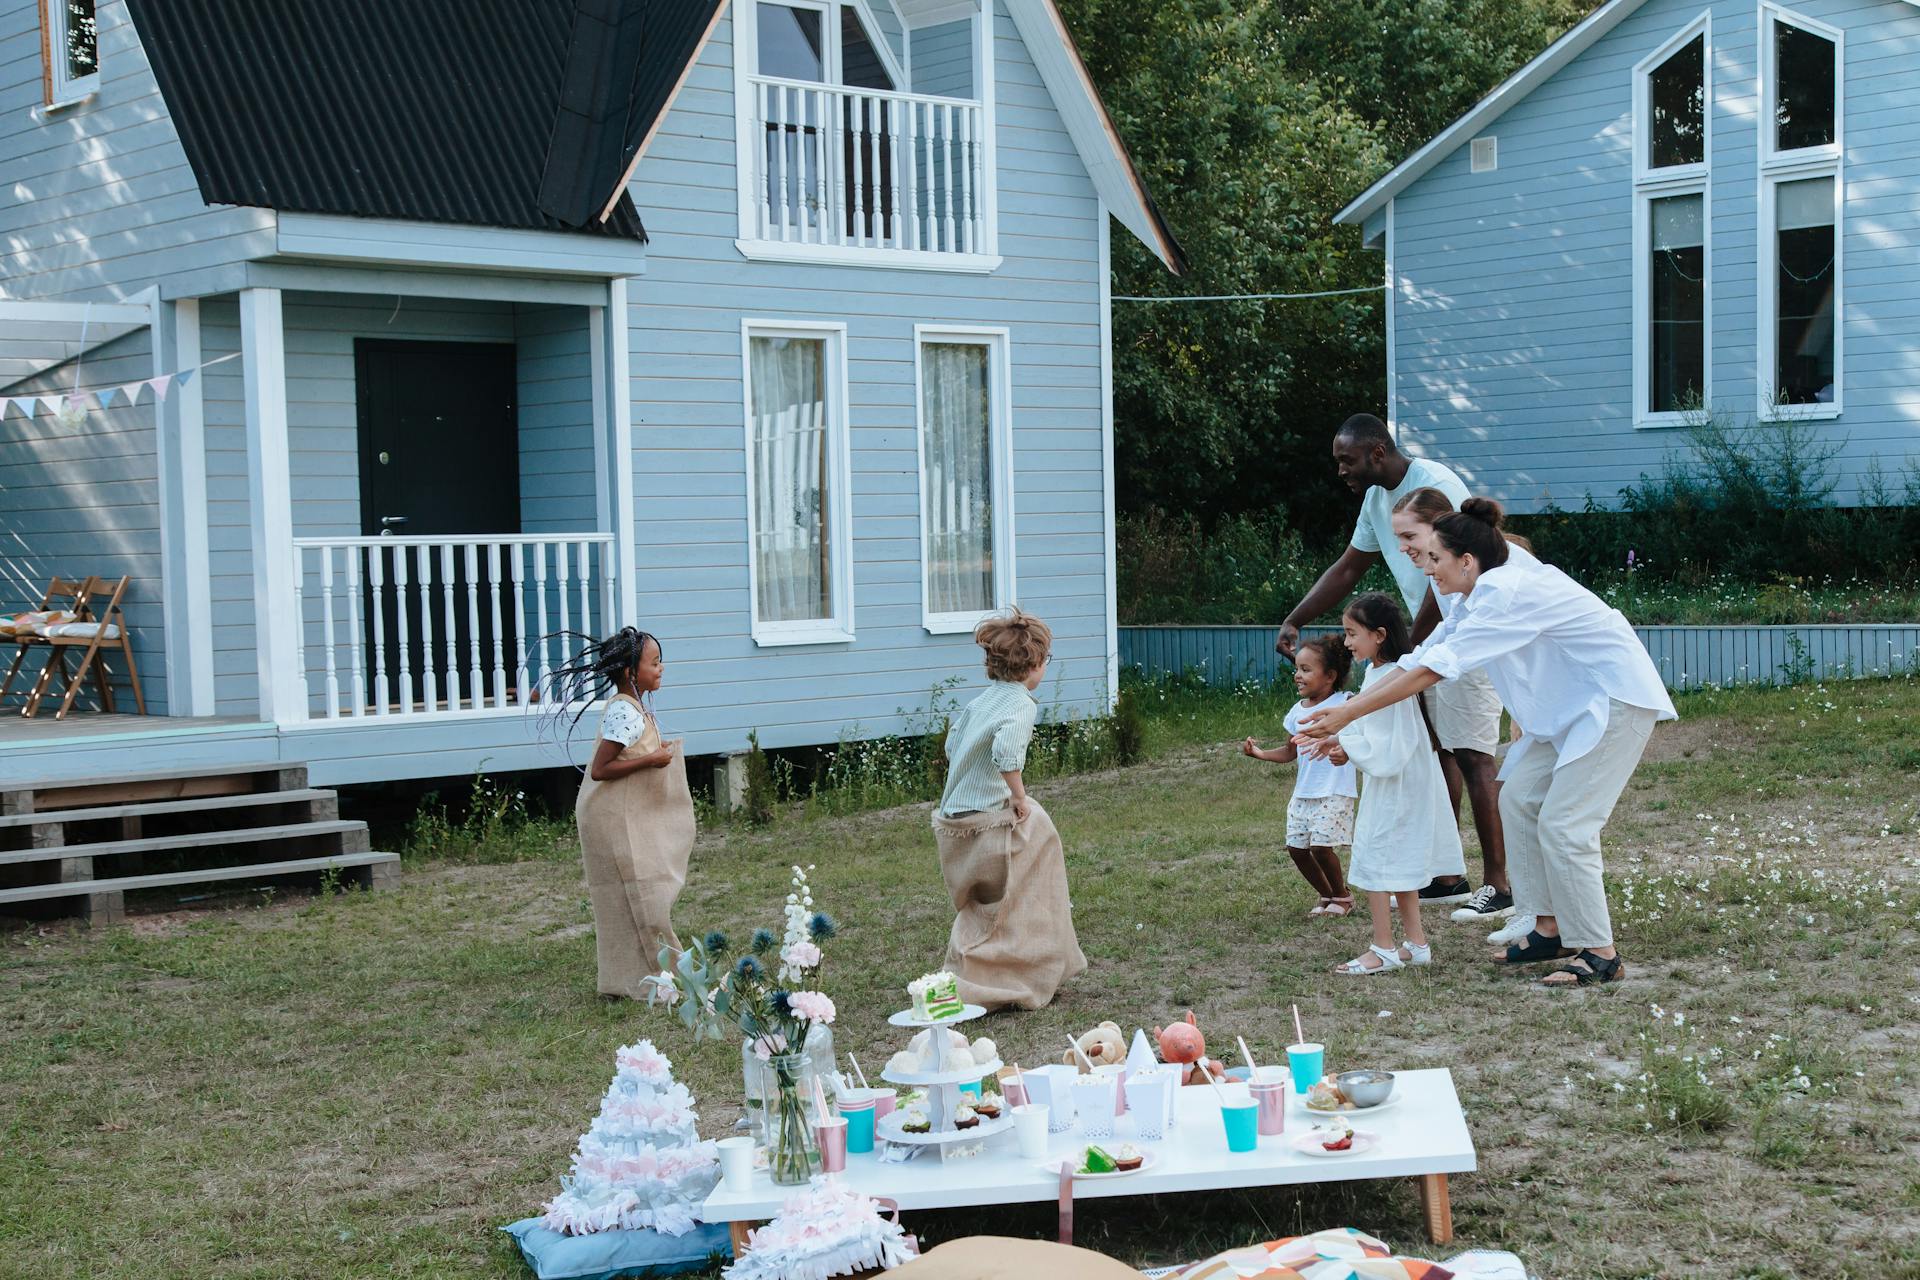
x=1320 y=910
x=1416 y=954
x=1357 y=967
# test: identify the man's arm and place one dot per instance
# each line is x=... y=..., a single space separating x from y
x=1428 y=618
x=1335 y=585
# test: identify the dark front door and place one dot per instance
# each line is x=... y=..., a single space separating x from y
x=439 y=460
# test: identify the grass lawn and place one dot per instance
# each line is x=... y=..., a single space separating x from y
x=369 y=1084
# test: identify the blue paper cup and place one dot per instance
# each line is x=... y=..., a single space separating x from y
x=971 y=1089
x=1242 y=1120
x=1308 y=1062
x=859 y=1120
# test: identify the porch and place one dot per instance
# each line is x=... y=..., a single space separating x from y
x=376 y=504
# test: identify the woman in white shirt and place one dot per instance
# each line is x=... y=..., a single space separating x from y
x=1579 y=682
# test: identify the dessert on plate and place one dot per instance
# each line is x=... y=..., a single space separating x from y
x=1098 y=1161
x=965 y=1117
x=1128 y=1158
x=914 y=1120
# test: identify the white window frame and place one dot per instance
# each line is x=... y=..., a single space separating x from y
x=746 y=58
x=1656 y=184
x=998 y=342
x=61 y=89
x=839 y=628
x=1799 y=164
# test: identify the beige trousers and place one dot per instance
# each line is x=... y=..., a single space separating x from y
x=1553 y=816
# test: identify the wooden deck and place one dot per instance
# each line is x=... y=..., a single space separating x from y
x=17 y=730
x=42 y=749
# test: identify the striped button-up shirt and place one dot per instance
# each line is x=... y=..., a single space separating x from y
x=988 y=738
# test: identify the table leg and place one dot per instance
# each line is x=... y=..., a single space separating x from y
x=739 y=1230
x=1436 y=1205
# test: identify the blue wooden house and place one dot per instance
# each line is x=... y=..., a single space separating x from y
x=778 y=328
x=1681 y=203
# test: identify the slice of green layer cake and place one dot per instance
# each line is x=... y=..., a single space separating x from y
x=1099 y=1161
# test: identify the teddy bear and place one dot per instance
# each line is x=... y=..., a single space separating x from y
x=1182 y=1045
x=1104 y=1046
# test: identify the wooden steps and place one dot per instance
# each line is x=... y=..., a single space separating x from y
x=104 y=836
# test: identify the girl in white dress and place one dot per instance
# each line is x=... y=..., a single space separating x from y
x=1401 y=832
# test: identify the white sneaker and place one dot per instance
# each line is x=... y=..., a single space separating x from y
x=1515 y=930
x=1487 y=903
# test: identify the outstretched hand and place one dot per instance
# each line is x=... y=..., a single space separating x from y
x=1321 y=748
x=1323 y=723
x=1287 y=641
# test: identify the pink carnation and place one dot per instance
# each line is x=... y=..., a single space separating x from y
x=814 y=1006
x=801 y=955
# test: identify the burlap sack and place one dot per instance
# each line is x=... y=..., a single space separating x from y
x=636 y=834
x=1012 y=941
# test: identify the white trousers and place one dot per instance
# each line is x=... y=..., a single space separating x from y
x=1553 y=814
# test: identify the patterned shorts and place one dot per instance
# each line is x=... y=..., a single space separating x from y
x=1322 y=822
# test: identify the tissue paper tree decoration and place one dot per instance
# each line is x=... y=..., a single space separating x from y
x=641 y=1164
x=827 y=1230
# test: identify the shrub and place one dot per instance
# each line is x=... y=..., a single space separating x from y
x=761 y=794
x=492 y=824
x=1129 y=728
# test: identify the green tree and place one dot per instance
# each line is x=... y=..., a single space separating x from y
x=1253 y=123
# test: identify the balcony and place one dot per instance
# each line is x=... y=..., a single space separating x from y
x=868 y=177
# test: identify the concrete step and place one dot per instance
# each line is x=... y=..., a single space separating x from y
x=382 y=868
x=195 y=840
x=198 y=804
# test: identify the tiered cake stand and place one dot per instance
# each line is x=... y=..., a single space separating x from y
x=943 y=1089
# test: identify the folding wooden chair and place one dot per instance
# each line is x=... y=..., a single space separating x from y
x=108 y=630
x=62 y=594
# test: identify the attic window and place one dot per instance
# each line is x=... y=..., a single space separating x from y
x=70 y=46
x=1485 y=155
x=1677 y=96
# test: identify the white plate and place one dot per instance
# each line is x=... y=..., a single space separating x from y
x=1349 y=1112
x=906 y=1018
x=1309 y=1144
x=964 y=1075
x=1053 y=1167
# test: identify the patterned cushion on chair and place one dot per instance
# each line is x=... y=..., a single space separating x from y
x=1339 y=1254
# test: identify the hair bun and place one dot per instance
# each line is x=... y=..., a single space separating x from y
x=1485 y=510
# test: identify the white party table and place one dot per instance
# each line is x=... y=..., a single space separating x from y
x=1422 y=1135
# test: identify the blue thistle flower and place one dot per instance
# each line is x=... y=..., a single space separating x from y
x=821 y=927
x=749 y=969
x=715 y=943
x=782 y=1002
x=764 y=940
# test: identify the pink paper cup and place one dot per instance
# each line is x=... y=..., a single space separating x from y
x=831 y=1134
x=1270 y=1098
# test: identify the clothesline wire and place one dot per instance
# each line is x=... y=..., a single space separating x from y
x=1249 y=297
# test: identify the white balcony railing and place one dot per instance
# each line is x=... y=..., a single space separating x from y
x=412 y=627
x=864 y=168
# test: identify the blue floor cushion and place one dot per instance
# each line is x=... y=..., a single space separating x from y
x=606 y=1254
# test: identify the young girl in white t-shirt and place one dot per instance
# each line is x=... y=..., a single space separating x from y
x=1320 y=815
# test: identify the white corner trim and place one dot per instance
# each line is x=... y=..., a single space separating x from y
x=277 y=648
x=1108 y=518
x=838 y=629
x=998 y=340
x=1393 y=288
x=619 y=388
x=854 y=256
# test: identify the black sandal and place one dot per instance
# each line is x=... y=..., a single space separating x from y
x=1536 y=948
x=1600 y=969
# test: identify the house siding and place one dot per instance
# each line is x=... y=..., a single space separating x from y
x=690 y=478
x=943 y=59
x=1514 y=310
x=85 y=500
x=85 y=219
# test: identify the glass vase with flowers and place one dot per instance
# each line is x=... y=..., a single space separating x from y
x=771 y=996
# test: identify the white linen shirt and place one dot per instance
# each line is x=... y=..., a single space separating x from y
x=1373 y=531
x=988 y=738
x=1314 y=778
x=1516 y=554
x=1556 y=653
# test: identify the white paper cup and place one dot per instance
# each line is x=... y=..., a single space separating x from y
x=1050 y=1087
x=736 y=1163
x=1030 y=1130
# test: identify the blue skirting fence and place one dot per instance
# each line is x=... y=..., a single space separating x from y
x=1688 y=657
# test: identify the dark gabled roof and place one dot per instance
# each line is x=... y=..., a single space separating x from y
x=503 y=113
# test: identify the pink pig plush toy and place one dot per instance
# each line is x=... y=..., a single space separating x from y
x=1182 y=1045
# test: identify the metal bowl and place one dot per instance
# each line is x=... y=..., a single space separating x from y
x=1366 y=1088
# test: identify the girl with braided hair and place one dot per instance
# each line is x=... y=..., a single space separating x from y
x=634 y=811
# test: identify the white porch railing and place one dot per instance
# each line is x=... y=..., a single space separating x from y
x=412 y=627
x=867 y=168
